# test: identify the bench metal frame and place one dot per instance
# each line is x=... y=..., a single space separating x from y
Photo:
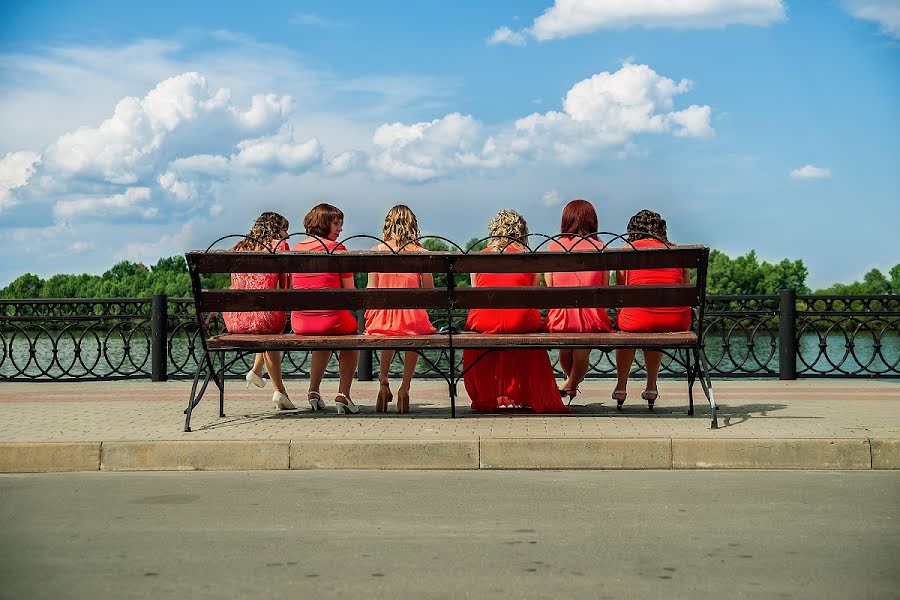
x=687 y=345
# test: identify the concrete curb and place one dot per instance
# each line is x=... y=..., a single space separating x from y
x=476 y=453
x=46 y=457
x=384 y=454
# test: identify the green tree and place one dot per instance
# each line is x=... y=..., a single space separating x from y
x=24 y=286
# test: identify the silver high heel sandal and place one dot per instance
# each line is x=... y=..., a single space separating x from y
x=316 y=403
x=347 y=406
x=255 y=380
x=282 y=402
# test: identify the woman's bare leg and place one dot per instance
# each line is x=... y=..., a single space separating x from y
x=387 y=357
x=258 y=362
x=624 y=358
x=347 y=361
x=652 y=360
x=410 y=359
x=273 y=366
x=578 y=368
x=565 y=363
x=317 y=367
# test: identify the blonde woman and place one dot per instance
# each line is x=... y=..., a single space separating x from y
x=268 y=233
x=509 y=378
x=400 y=234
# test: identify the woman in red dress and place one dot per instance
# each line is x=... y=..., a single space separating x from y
x=647 y=229
x=324 y=224
x=578 y=229
x=400 y=234
x=268 y=233
x=508 y=378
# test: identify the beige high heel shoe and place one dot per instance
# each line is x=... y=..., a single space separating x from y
x=384 y=397
x=346 y=406
x=315 y=401
x=402 y=401
x=282 y=402
x=254 y=379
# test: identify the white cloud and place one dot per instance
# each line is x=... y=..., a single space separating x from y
x=167 y=245
x=551 y=199
x=16 y=168
x=884 y=12
x=133 y=201
x=81 y=246
x=505 y=35
x=279 y=152
x=344 y=162
x=604 y=111
x=312 y=20
x=573 y=17
x=811 y=172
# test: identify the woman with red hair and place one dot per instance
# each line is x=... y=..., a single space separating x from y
x=578 y=233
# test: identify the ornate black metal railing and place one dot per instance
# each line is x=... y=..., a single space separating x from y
x=782 y=335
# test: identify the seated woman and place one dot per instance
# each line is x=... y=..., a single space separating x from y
x=400 y=234
x=647 y=229
x=324 y=224
x=508 y=378
x=578 y=227
x=267 y=233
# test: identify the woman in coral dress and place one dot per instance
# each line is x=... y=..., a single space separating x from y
x=324 y=223
x=267 y=234
x=578 y=229
x=508 y=378
x=400 y=234
x=647 y=229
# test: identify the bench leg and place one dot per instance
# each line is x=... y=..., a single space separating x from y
x=706 y=384
x=691 y=376
x=452 y=382
x=222 y=387
x=195 y=396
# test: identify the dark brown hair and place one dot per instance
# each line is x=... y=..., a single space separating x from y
x=647 y=224
x=319 y=219
x=579 y=218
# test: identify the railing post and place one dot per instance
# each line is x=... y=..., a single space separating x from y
x=364 y=367
x=787 y=334
x=158 y=337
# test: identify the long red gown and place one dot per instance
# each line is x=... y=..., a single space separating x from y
x=653 y=319
x=509 y=378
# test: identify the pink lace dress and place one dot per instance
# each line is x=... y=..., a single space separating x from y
x=258 y=321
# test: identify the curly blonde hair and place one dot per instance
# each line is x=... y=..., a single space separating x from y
x=505 y=225
x=265 y=230
x=647 y=224
x=401 y=226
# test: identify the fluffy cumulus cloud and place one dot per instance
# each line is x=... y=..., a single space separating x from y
x=884 y=12
x=606 y=111
x=811 y=172
x=573 y=17
x=162 y=151
x=505 y=35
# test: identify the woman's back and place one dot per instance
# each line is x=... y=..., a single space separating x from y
x=504 y=320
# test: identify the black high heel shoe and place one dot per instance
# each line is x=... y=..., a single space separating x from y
x=570 y=393
x=619 y=396
x=650 y=396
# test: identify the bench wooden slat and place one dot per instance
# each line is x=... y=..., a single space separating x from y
x=286 y=342
x=439 y=262
x=436 y=298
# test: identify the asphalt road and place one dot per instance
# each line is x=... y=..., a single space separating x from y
x=468 y=534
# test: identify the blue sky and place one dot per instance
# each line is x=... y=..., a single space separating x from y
x=134 y=131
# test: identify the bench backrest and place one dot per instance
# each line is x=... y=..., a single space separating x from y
x=450 y=297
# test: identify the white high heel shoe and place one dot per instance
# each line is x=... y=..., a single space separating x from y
x=255 y=380
x=343 y=407
x=316 y=403
x=282 y=402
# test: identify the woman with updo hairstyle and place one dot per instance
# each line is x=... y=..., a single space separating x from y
x=578 y=233
x=520 y=378
x=647 y=229
x=323 y=224
x=267 y=234
x=400 y=234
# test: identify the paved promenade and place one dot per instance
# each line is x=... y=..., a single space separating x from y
x=770 y=424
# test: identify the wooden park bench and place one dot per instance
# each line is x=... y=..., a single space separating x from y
x=687 y=346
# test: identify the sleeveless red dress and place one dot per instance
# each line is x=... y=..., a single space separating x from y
x=654 y=319
x=320 y=322
x=404 y=321
x=266 y=321
x=577 y=320
x=509 y=378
